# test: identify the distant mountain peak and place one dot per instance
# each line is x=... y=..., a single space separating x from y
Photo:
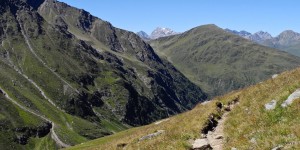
x=263 y=33
x=157 y=33
x=261 y=36
x=241 y=33
x=287 y=40
x=258 y=37
x=162 y=32
x=143 y=35
x=289 y=34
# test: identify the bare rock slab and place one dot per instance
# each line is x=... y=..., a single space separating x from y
x=201 y=144
x=291 y=98
x=152 y=135
x=271 y=105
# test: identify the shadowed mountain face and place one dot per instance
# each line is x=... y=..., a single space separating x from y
x=219 y=61
x=88 y=78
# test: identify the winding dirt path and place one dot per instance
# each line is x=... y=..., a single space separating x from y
x=214 y=139
x=53 y=134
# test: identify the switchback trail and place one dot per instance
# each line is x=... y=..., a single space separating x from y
x=53 y=134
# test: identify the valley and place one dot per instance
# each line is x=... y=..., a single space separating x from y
x=71 y=80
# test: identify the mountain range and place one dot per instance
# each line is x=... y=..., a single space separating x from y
x=288 y=40
x=157 y=33
x=68 y=77
x=219 y=61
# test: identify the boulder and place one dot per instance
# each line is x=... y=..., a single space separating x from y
x=291 y=98
x=201 y=144
x=152 y=135
x=274 y=76
x=280 y=147
x=271 y=105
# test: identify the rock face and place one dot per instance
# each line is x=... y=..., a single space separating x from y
x=24 y=133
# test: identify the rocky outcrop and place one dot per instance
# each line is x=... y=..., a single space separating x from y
x=24 y=133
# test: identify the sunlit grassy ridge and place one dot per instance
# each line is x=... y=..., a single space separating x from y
x=270 y=128
x=248 y=120
x=220 y=62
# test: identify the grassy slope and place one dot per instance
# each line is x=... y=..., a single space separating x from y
x=247 y=120
x=219 y=61
x=269 y=128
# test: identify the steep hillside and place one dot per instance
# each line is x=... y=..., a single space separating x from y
x=219 y=61
x=64 y=82
x=247 y=125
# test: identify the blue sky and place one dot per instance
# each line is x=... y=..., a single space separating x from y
x=272 y=16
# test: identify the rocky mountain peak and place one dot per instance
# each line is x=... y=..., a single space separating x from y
x=162 y=32
x=287 y=40
x=242 y=33
x=143 y=35
x=261 y=35
x=289 y=34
